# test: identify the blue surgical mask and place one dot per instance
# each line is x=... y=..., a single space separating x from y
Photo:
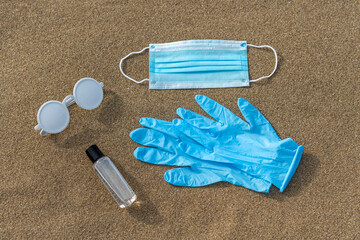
x=198 y=64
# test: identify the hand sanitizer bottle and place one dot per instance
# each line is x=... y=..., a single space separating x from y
x=111 y=177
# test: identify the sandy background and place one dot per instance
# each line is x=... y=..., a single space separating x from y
x=48 y=187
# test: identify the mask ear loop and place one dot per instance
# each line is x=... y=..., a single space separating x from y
x=276 y=61
x=122 y=72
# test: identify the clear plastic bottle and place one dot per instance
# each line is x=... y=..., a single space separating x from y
x=111 y=177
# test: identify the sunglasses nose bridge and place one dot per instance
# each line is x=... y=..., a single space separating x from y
x=69 y=100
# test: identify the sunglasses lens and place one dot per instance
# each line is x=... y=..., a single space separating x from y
x=53 y=116
x=88 y=93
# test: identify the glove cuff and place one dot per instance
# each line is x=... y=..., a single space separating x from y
x=293 y=167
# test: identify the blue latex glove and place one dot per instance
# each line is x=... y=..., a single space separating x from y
x=163 y=140
x=251 y=146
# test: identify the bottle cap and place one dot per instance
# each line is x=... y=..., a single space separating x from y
x=94 y=153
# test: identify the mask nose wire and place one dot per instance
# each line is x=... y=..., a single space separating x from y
x=122 y=72
x=276 y=61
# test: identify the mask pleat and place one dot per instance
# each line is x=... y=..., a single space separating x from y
x=201 y=69
x=197 y=55
x=200 y=63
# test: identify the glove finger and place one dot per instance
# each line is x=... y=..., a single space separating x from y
x=196 y=119
x=236 y=176
x=159 y=125
x=254 y=117
x=153 y=138
x=189 y=177
x=197 y=151
x=215 y=110
x=243 y=179
x=159 y=157
x=191 y=132
x=202 y=153
x=164 y=127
